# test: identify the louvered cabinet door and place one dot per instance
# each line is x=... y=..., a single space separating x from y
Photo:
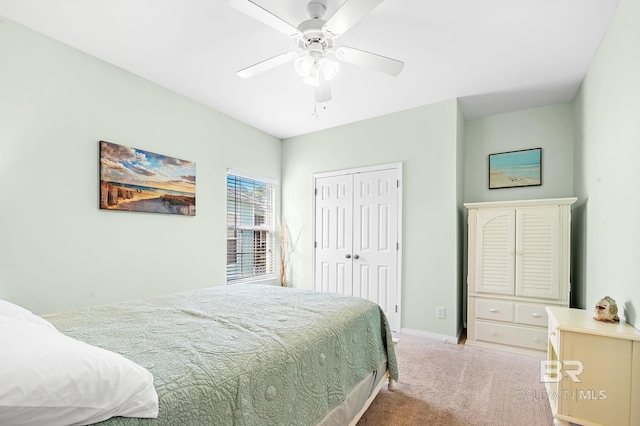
x=519 y=262
x=538 y=252
x=495 y=251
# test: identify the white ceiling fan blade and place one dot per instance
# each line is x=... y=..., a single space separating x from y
x=263 y=15
x=323 y=93
x=349 y=13
x=369 y=60
x=323 y=89
x=267 y=64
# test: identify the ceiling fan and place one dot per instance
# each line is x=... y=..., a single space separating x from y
x=315 y=39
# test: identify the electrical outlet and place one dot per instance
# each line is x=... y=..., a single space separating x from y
x=440 y=312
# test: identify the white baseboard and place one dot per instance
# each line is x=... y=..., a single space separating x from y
x=433 y=336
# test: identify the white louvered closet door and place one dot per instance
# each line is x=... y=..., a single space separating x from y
x=537 y=251
x=496 y=251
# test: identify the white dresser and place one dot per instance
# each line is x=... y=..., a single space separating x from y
x=592 y=374
x=518 y=263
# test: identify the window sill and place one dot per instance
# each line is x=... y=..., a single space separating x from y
x=266 y=280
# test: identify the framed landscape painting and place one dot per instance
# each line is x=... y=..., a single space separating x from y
x=515 y=168
x=135 y=180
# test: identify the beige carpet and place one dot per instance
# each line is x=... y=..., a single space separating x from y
x=459 y=385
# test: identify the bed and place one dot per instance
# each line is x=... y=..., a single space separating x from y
x=245 y=354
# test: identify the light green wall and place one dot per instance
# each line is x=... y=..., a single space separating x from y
x=607 y=172
x=57 y=249
x=549 y=127
x=425 y=140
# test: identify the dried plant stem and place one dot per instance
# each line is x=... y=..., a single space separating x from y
x=287 y=246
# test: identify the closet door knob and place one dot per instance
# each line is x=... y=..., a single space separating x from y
x=348 y=256
x=355 y=256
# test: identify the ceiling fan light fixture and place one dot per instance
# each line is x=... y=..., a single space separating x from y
x=329 y=68
x=311 y=81
x=309 y=68
x=304 y=65
x=314 y=76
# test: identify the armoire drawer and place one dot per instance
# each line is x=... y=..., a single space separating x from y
x=528 y=313
x=497 y=310
x=512 y=335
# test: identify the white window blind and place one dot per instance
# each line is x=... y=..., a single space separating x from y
x=250 y=228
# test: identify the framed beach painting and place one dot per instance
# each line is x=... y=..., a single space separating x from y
x=135 y=180
x=515 y=168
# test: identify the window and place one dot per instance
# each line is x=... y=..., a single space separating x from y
x=250 y=228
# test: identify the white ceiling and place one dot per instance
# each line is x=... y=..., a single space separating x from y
x=494 y=55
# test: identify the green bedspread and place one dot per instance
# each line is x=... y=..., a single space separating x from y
x=241 y=354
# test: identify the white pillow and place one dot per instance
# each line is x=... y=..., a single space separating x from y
x=18 y=312
x=51 y=379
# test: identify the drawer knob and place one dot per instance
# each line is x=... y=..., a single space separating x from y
x=494 y=310
x=553 y=333
x=537 y=340
x=494 y=334
x=536 y=315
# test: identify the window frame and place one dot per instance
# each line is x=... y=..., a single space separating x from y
x=250 y=246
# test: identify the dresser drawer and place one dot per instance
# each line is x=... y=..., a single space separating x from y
x=496 y=310
x=531 y=314
x=512 y=335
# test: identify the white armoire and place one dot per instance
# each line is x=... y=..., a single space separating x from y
x=518 y=263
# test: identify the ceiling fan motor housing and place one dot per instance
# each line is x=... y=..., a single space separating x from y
x=316 y=9
x=311 y=29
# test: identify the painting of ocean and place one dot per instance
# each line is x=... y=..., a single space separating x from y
x=515 y=168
